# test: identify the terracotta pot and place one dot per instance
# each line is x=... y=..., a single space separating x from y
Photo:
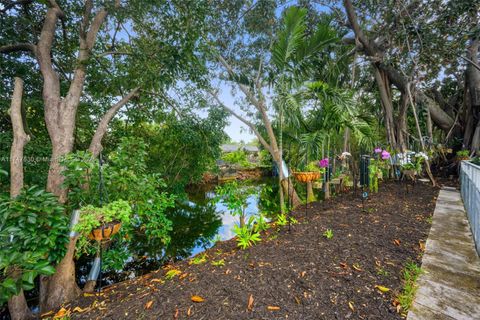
x=105 y=231
x=307 y=176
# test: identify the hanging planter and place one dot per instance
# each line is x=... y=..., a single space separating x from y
x=105 y=231
x=307 y=176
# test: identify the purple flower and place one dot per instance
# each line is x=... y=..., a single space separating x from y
x=385 y=155
x=378 y=150
x=323 y=163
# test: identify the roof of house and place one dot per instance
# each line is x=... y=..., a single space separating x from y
x=235 y=147
x=251 y=149
x=229 y=147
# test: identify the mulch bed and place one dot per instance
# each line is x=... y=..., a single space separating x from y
x=295 y=275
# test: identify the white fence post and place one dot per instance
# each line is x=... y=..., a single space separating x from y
x=470 y=190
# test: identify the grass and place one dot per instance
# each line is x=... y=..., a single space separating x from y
x=410 y=275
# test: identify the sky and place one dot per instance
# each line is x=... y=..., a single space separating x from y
x=236 y=129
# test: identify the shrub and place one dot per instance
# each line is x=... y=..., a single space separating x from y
x=33 y=237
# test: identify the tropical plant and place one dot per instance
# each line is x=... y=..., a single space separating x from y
x=33 y=235
x=328 y=234
x=246 y=234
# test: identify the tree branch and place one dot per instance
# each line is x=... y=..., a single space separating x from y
x=96 y=143
x=242 y=119
x=20 y=139
x=26 y=47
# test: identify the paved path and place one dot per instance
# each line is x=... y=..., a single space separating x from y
x=449 y=287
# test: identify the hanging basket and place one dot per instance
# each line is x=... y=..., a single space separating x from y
x=307 y=176
x=105 y=231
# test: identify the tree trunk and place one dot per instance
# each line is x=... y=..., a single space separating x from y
x=20 y=139
x=310 y=194
x=61 y=286
x=417 y=124
x=17 y=305
x=288 y=188
x=472 y=84
x=386 y=101
x=18 y=308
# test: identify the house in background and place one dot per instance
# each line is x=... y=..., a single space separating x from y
x=252 y=152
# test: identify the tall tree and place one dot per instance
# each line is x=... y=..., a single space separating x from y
x=76 y=46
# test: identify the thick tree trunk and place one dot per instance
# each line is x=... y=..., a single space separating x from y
x=17 y=305
x=18 y=308
x=61 y=286
x=472 y=84
x=401 y=125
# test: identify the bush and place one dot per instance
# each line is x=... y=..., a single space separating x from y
x=33 y=237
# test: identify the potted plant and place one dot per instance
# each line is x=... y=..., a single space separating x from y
x=463 y=155
x=313 y=171
x=100 y=223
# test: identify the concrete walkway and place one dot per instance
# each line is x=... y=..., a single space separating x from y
x=449 y=287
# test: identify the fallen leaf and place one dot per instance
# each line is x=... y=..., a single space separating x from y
x=356 y=266
x=397 y=242
x=303 y=274
x=197 y=299
x=148 y=305
x=297 y=300
x=175 y=316
x=350 y=305
x=273 y=308
x=61 y=313
x=343 y=265
x=157 y=280
x=88 y=295
x=189 y=311
x=46 y=314
x=421 y=245
x=80 y=310
x=250 y=303
x=382 y=288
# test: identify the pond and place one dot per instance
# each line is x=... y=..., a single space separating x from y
x=198 y=222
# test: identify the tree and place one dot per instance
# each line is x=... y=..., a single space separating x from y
x=289 y=60
x=99 y=37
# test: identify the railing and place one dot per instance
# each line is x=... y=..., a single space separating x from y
x=470 y=188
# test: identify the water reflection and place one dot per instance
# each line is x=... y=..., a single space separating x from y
x=197 y=222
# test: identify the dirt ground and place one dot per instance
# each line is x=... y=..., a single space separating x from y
x=297 y=274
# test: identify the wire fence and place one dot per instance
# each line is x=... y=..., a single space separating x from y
x=470 y=189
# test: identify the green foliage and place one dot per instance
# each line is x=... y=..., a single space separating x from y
x=218 y=263
x=234 y=196
x=410 y=274
x=247 y=236
x=476 y=160
x=238 y=157
x=463 y=154
x=261 y=224
x=126 y=181
x=313 y=166
x=33 y=237
x=282 y=220
x=199 y=259
x=93 y=217
x=328 y=234
x=374 y=171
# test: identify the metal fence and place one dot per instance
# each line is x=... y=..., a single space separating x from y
x=470 y=185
